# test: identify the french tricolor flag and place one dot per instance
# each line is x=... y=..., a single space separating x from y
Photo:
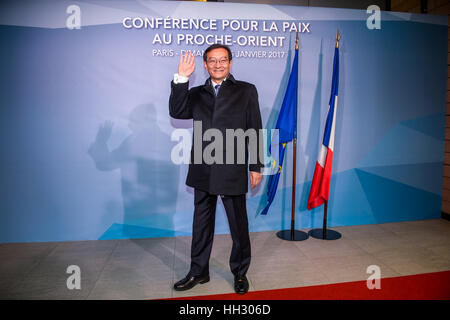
x=320 y=186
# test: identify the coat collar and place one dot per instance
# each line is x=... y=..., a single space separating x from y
x=208 y=85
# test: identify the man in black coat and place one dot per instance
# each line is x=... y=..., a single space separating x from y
x=227 y=124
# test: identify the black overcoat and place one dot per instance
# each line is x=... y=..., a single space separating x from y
x=235 y=107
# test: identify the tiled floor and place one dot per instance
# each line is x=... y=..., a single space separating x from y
x=147 y=268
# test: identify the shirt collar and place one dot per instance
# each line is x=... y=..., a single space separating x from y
x=229 y=77
x=215 y=83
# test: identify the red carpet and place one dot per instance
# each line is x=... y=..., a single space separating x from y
x=427 y=286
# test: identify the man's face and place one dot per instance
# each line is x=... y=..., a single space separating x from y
x=217 y=64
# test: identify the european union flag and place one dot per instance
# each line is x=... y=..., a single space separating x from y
x=287 y=129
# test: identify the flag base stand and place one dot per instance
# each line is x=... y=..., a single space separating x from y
x=327 y=235
x=324 y=233
x=292 y=235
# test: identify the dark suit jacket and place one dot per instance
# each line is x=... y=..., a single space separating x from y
x=236 y=106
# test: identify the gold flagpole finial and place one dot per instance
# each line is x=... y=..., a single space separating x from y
x=338 y=37
x=296 y=41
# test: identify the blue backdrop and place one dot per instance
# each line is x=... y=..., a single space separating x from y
x=86 y=133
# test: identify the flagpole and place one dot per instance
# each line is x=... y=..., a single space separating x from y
x=294 y=167
x=324 y=228
x=293 y=235
x=324 y=233
x=294 y=160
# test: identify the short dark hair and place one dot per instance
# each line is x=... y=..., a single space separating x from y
x=217 y=46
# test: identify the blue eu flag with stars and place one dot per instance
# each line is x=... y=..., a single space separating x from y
x=287 y=130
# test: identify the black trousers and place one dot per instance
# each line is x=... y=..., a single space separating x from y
x=203 y=232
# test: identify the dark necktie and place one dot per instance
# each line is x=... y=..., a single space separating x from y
x=217 y=87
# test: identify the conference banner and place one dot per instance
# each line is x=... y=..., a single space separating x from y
x=89 y=150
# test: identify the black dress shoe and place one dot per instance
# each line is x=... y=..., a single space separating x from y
x=240 y=284
x=189 y=282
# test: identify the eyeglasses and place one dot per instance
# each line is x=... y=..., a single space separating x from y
x=222 y=62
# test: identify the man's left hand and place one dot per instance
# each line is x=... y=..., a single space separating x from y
x=255 y=178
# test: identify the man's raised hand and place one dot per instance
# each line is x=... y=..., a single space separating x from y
x=187 y=64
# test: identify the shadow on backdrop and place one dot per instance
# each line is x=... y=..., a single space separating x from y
x=149 y=180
